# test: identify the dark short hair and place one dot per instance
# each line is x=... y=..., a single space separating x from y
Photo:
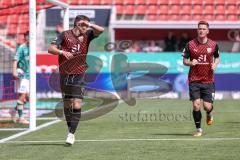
x=80 y=17
x=203 y=23
x=26 y=34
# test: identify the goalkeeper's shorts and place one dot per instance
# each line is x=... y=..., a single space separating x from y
x=22 y=86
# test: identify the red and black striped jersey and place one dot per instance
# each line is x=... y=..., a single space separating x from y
x=203 y=53
x=78 y=46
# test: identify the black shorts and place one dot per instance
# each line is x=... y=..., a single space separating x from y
x=72 y=86
x=203 y=91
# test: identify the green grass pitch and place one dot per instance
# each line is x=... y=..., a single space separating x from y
x=153 y=129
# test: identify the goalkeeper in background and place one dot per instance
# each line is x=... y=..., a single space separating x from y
x=21 y=75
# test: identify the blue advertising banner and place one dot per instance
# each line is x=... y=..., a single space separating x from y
x=229 y=63
x=116 y=68
x=227 y=74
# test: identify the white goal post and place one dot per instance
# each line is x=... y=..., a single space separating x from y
x=32 y=47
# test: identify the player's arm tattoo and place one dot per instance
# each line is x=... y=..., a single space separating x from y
x=55 y=46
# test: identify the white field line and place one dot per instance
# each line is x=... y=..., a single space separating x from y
x=28 y=131
x=38 y=128
x=126 y=140
x=13 y=129
x=47 y=118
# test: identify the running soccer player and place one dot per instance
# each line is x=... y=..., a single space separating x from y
x=72 y=47
x=21 y=75
x=198 y=54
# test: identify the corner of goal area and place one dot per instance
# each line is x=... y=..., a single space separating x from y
x=10 y=128
x=11 y=134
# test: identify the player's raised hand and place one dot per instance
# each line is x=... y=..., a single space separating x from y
x=84 y=23
x=194 y=62
x=68 y=55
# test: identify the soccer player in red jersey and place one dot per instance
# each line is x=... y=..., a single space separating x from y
x=72 y=47
x=198 y=55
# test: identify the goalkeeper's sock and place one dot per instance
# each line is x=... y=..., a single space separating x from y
x=19 y=107
x=76 y=115
x=67 y=113
x=197 y=116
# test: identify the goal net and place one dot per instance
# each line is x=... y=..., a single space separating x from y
x=14 y=23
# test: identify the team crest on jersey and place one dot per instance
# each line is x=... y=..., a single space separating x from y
x=80 y=38
x=209 y=50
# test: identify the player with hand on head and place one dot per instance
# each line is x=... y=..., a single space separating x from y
x=198 y=55
x=72 y=48
x=21 y=75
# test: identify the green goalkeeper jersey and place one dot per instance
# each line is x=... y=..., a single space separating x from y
x=22 y=58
